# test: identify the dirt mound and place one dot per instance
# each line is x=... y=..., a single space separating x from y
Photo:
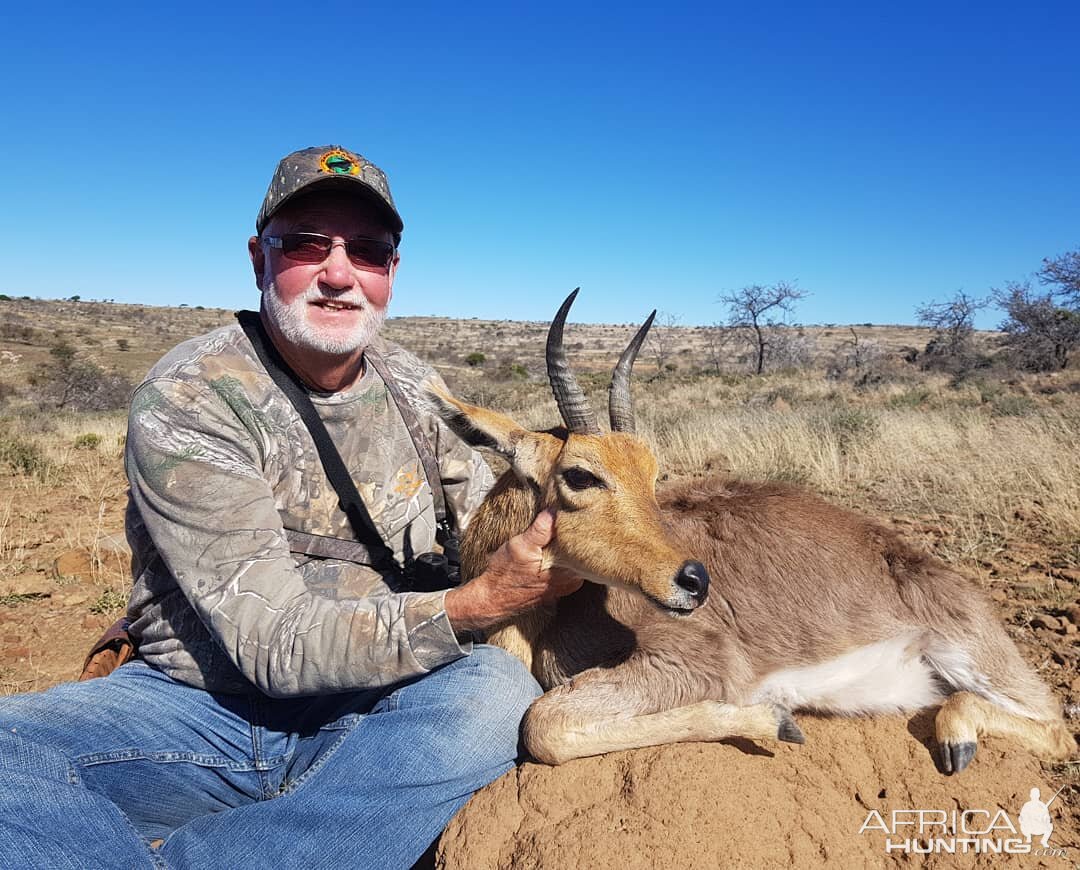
x=743 y=805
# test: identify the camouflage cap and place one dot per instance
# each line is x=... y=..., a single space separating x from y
x=329 y=166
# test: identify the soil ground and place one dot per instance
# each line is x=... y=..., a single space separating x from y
x=63 y=579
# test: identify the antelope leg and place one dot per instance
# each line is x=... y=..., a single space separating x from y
x=578 y=720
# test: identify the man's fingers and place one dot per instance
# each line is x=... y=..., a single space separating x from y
x=539 y=534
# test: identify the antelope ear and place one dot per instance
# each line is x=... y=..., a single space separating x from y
x=490 y=430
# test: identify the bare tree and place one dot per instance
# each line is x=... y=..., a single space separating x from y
x=1040 y=333
x=718 y=340
x=753 y=311
x=662 y=338
x=854 y=353
x=80 y=385
x=952 y=345
x=1063 y=274
x=790 y=348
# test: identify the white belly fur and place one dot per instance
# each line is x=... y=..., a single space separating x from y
x=885 y=677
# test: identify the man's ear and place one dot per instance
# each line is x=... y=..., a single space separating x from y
x=392 y=274
x=530 y=454
x=258 y=259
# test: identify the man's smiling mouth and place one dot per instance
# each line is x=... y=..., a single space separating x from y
x=335 y=305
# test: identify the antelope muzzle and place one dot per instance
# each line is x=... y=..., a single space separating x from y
x=691 y=588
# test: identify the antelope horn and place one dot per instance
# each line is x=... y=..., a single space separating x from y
x=620 y=405
x=573 y=406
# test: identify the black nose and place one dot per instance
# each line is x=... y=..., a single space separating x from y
x=694 y=579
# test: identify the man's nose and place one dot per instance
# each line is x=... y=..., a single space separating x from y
x=337 y=269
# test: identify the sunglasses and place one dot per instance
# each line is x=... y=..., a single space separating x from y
x=314 y=248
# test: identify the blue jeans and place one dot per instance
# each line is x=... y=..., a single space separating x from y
x=91 y=773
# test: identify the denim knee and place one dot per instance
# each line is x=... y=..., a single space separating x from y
x=504 y=680
x=481 y=700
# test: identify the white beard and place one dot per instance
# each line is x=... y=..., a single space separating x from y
x=292 y=320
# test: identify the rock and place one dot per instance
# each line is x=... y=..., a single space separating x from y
x=1062 y=657
x=1072 y=613
x=113 y=542
x=73 y=600
x=1074 y=686
x=18 y=652
x=1043 y=620
x=743 y=804
x=110 y=555
x=28 y=584
x=114 y=554
x=74 y=564
x=1035 y=579
x=999 y=595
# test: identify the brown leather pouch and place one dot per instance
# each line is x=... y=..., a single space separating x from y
x=114 y=648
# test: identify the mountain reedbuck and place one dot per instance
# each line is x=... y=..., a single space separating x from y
x=786 y=601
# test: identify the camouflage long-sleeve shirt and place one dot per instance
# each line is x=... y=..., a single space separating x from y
x=219 y=463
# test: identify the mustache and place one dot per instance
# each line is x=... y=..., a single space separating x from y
x=314 y=294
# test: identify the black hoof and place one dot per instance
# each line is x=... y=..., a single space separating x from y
x=956 y=756
x=786 y=728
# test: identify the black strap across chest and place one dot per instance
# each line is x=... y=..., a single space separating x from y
x=371 y=546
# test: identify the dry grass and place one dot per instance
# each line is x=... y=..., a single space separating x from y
x=70 y=476
x=982 y=477
x=976 y=474
x=945 y=456
x=986 y=460
x=986 y=473
x=13 y=685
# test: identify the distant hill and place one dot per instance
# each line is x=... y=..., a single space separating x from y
x=130 y=338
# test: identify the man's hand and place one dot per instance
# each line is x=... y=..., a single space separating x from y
x=515 y=581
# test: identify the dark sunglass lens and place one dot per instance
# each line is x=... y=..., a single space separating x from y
x=370 y=252
x=305 y=247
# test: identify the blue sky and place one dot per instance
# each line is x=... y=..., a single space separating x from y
x=882 y=155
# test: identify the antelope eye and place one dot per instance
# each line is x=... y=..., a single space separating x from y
x=579 y=478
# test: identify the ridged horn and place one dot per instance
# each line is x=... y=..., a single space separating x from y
x=573 y=406
x=620 y=404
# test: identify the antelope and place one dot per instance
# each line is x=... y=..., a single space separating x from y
x=715 y=607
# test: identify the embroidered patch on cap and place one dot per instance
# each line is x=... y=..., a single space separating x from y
x=340 y=162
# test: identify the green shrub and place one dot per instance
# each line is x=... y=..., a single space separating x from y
x=80 y=385
x=1012 y=405
x=912 y=398
x=23 y=457
x=88 y=441
x=62 y=352
x=109 y=601
x=850 y=427
x=14 y=599
x=475 y=359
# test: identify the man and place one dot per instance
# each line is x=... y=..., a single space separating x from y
x=284 y=710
